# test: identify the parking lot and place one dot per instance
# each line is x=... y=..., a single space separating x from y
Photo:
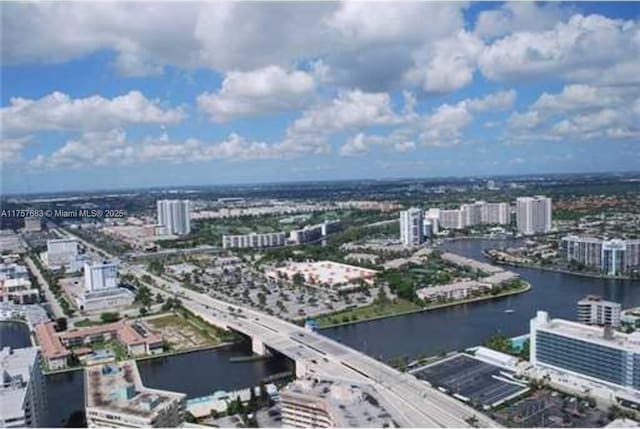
x=472 y=380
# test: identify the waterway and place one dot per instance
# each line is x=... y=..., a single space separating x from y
x=196 y=374
x=462 y=326
x=412 y=335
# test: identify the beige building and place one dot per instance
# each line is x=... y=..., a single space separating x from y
x=329 y=403
x=115 y=397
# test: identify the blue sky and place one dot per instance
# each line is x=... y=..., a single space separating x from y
x=118 y=95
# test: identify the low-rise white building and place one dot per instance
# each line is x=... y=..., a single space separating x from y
x=321 y=273
x=254 y=240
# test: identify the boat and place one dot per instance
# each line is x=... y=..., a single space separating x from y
x=509 y=310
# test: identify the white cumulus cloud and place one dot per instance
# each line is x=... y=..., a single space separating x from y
x=267 y=90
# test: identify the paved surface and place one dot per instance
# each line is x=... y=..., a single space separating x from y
x=412 y=402
x=54 y=305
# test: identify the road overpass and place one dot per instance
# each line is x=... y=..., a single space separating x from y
x=411 y=402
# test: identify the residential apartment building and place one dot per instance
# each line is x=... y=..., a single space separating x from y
x=533 y=215
x=471 y=214
x=98 y=277
x=611 y=257
x=23 y=400
x=451 y=219
x=412 y=227
x=496 y=214
x=593 y=310
x=312 y=232
x=115 y=397
x=591 y=352
x=174 y=217
x=253 y=240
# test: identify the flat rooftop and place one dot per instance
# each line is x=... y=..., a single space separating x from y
x=594 y=334
x=117 y=387
x=327 y=272
x=350 y=405
x=15 y=365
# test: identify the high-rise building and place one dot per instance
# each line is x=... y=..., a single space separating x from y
x=533 y=215
x=433 y=217
x=614 y=254
x=411 y=227
x=98 y=277
x=592 y=352
x=174 y=217
x=115 y=397
x=62 y=252
x=611 y=257
x=23 y=400
x=593 y=310
x=496 y=214
x=451 y=219
x=472 y=213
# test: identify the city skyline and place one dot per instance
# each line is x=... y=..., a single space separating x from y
x=200 y=96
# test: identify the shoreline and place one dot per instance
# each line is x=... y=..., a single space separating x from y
x=433 y=307
x=148 y=357
x=557 y=270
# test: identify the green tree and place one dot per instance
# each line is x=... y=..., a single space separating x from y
x=110 y=317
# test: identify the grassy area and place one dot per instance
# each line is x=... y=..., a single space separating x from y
x=386 y=308
x=183 y=331
x=375 y=310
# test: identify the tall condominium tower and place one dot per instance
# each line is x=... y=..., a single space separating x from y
x=411 y=227
x=533 y=215
x=174 y=217
x=100 y=276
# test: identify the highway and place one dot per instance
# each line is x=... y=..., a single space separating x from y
x=411 y=402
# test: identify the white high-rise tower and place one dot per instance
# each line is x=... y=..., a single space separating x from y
x=533 y=215
x=174 y=216
x=411 y=227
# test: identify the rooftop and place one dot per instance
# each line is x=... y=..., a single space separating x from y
x=327 y=272
x=117 y=387
x=49 y=342
x=350 y=405
x=15 y=367
x=594 y=334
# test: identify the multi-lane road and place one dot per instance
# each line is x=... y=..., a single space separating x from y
x=411 y=402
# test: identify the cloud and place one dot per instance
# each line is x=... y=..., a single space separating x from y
x=113 y=147
x=519 y=16
x=11 y=148
x=448 y=65
x=359 y=144
x=581 y=97
x=580 y=46
x=580 y=112
x=267 y=90
x=397 y=140
x=369 y=45
x=445 y=126
x=389 y=22
x=58 y=111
